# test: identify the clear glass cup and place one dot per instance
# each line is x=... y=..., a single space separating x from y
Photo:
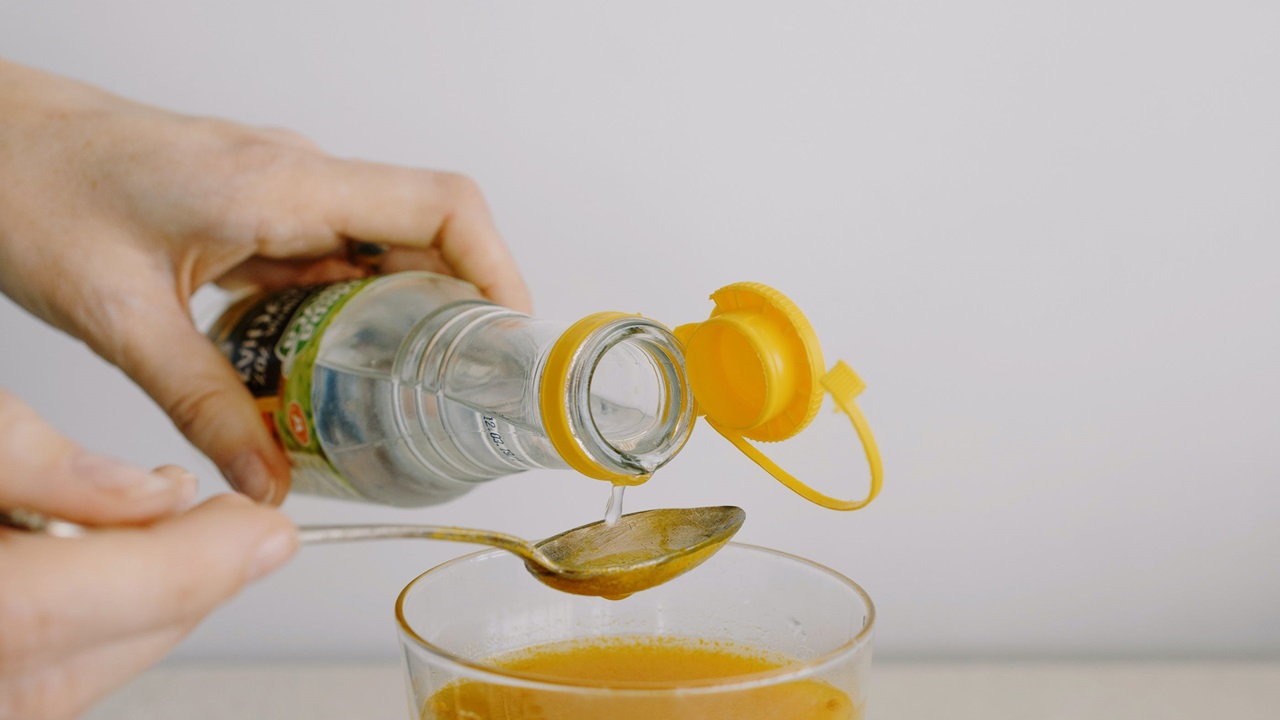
x=455 y=617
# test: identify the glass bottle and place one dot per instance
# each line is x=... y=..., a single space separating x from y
x=411 y=388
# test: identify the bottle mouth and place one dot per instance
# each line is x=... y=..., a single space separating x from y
x=630 y=407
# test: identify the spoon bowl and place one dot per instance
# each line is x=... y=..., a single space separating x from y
x=640 y=551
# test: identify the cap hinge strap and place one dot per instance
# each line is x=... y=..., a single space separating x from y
x=844 y=385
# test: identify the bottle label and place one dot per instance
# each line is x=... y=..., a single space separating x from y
x=272 y=341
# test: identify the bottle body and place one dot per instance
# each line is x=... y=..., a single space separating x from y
x=410 y=389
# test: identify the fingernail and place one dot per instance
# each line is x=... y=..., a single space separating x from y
x=185 y=480
x=119 y=477
x=248 y=474
x=272 y=553
x=277 y=495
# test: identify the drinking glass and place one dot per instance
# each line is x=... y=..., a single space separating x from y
x=454 y=618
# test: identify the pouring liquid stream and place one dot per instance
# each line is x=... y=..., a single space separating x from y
x=613 y=510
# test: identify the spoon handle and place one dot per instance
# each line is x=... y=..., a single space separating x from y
x=314 y=534
x=40 y=523
x=309 y=534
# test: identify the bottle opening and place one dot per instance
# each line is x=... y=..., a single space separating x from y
x=627 y=398
x=630 y=408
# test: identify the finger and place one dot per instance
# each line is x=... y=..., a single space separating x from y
x=62 y=596
x=399 y=259
x=422 y=208
x=270 y=274
x=179 y=474
x=201 y=392
x=44 y=471
x=67 y=687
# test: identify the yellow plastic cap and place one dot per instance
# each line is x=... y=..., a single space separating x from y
x=756 y=372
x=754 y=365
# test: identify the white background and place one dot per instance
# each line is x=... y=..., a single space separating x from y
x=1044 y=232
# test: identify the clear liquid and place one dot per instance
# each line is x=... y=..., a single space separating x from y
x=397 y=436
x=446 y=445
x=626 y=398
x=613 y=510
x=420 y=390
x=377 y=432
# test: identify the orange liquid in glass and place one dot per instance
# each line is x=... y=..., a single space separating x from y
x=639 y=660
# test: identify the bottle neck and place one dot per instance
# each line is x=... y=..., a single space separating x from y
x=625 y=394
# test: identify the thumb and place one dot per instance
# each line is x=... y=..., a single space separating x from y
x=200 y=391
x=141 y=579
x=44 y=471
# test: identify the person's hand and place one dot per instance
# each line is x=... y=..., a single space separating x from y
x=80 y=616
x=112 y=214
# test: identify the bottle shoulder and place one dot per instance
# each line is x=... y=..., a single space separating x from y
x=376 y=321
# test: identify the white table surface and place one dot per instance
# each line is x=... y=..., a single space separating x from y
x=905 y=691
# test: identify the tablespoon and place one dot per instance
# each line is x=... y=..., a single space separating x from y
x=640 y=551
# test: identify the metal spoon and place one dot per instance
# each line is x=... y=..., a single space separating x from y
x=640 y=551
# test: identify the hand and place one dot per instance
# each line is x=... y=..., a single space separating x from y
x=78 y=617
x=112 y=214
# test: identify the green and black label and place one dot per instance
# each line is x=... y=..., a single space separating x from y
x=272 y=341
x=248 y=334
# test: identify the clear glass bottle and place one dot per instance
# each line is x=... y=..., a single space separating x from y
x=410 y=389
